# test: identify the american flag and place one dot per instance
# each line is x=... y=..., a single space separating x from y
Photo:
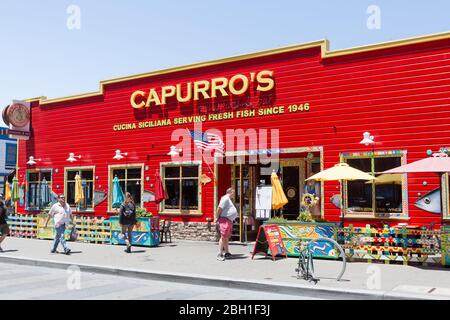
x=207 y=141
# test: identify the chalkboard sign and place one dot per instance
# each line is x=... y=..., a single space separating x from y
x=269 y=238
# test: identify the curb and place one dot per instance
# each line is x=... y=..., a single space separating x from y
x=195 y=279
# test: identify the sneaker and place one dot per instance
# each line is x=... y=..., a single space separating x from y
x=67 y=252
x=53 y=251
x=220 y=257
x=228 y=255
x=128 y=250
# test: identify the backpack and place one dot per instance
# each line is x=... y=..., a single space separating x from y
x=128 y=210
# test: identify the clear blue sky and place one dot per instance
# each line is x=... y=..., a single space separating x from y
x=40 y=56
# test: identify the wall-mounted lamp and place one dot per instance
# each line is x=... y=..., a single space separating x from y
x=174 y=151
x=367 y=139
x=32 y=161
x=119 y=155
x=72 y=157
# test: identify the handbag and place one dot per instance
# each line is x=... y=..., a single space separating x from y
x=73 y=234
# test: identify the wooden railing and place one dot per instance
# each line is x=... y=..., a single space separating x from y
x=391 y=244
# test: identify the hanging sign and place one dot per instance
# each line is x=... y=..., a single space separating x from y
x=17 y=116
x=269 y=238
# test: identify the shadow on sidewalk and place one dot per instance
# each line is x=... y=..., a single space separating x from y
x=238 y=256
x=323 y=278
x=430 y=267
x=6 y=251
x=138 y=251
x=163 y=245
x=269 y=257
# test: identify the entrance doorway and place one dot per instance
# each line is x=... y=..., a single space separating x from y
x=292 y=179
x=292 y=170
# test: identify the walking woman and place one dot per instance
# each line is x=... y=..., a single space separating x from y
x=4 y=229
x=127 y=219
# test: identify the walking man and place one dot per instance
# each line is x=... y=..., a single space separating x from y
x=225 y=215
x=4 y=229
x=61 y=214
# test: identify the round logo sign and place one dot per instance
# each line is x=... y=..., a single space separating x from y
x=18 y=115
x=291 y=192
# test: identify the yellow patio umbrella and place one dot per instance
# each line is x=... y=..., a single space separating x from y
x=79 y=195
x=341 y=171
x=7 y=191
x=278 y=197
x=388 y=179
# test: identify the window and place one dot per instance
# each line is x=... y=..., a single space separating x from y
x=87 y=182
x=39 y=187
x=182 y=187
x=130 y=180
x=11 y=154
x=380 y=198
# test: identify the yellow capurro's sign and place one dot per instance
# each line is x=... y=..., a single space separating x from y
x=204 y=89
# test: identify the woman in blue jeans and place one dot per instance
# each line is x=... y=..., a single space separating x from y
x=61 y=214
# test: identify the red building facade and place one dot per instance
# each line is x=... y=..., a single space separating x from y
x=318 y=102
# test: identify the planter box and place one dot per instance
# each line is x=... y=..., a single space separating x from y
x=49 y=232
x=293 y=232
x=145 y=232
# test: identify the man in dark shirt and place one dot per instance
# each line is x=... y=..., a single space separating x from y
x=4 y=229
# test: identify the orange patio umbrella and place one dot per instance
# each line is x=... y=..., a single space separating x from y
x=279 y=199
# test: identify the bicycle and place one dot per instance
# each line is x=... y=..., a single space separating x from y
x=325 y=246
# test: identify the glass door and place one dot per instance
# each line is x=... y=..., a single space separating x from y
x=244 y=182
x=292 y=179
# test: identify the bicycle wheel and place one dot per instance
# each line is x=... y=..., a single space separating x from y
x=328 y=247
x=305 y=266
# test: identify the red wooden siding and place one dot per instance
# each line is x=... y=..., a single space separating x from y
x=400 y=95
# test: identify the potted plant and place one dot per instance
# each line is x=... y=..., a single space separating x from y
x=48 y=232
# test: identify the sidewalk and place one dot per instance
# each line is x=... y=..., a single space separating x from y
x=195 y=262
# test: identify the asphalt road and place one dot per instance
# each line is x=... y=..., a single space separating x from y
x=18 y=282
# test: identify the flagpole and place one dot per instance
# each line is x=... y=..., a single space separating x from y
x=209 y=167
x=203 y=157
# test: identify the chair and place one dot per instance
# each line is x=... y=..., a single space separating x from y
x=165 y=230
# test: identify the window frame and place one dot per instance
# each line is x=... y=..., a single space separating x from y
x=50 y=185
x=404 y=215
x=83 y=168
x=10 y=164
x=180 y=212
x=111 y=168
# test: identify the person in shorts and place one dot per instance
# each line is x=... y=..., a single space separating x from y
x=127 y=220
x=4 y=229
x=225 y=216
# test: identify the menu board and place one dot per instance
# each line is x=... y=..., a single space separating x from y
x=269 y=238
